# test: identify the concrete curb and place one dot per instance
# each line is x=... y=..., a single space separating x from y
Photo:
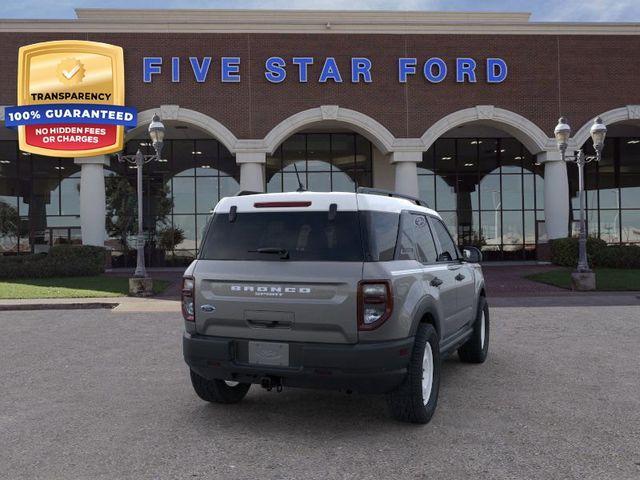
x=56 y=306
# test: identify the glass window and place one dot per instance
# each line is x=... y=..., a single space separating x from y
x=187 y=223
x=469 y=227
x=343 y=151
x=381 y=231
x=426 y=166
x=342 y=182
x=227 y=164
x=304 y=236
x=44 y=166
x=467 y=154
x=610 y=226
x=487 y=156
x=445 y=193
x=449 y=251
x=467 y=192
x=183 y=195
x=183 y=157
x=511 y=192
x=70 y=196
x=629 y=155
x=490 y=198
x=8 y=159
x=511 y=155
x=630 y=226
x=318 y=152
x=512 y=228
x=325 y=162
x=417 y=242
x=630 y=190
x=445 y=156
x=206 y=194
x=426 y=187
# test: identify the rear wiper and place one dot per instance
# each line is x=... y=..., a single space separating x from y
x=283 y=252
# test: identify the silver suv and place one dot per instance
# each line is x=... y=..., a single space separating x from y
x=357 y=292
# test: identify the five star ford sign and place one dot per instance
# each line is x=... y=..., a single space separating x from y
x=71 y=99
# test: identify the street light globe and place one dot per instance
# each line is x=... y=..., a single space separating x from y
x=562 y=133
x=598 y=132
x=156 y=129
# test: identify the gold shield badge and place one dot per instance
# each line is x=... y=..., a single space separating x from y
x=69 y=96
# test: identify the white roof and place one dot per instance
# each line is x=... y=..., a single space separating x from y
x=320 y=201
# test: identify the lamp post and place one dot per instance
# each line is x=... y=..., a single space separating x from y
x=156 y=133
x=562 y=133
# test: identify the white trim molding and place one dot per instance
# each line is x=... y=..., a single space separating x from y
x=382 y=138
x=531 y=136
x=622 y=114
x=200 y=120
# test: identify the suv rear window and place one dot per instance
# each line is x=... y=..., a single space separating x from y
x=305 y=236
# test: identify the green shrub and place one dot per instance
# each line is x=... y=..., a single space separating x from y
x=61 y=261
x=618 y=256
x=564 y=252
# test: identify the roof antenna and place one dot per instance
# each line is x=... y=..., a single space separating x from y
x=300 y=186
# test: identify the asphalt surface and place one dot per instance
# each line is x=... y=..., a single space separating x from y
x=99 y=394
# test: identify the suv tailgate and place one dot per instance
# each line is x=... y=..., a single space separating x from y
x=309 y=301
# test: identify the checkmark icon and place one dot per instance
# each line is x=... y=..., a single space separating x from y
x=71 y=73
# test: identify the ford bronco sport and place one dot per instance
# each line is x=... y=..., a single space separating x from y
x=360 y=292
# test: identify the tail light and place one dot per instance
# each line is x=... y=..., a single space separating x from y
x=375 y=303
x=188 y=307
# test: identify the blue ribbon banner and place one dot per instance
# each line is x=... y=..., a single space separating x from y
x=70 y=113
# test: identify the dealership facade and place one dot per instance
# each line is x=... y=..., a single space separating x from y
x=456 y=108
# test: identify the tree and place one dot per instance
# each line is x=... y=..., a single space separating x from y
x=122 y=208
x=9 y=221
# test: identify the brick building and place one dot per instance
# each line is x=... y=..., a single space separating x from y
x=457 y=108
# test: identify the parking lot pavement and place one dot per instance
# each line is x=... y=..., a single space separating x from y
x=103 y=394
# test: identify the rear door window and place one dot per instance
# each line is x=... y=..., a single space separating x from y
x=416 y=241
x=305 y=236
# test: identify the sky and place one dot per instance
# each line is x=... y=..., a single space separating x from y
x=542 y=10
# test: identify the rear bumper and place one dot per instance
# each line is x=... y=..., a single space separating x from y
x=365 y=367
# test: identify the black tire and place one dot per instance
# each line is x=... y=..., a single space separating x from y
x=476 y=350
x=217 y=391
x=407 y=402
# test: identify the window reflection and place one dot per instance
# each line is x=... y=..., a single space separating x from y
x=612 y=191
x=490 y=187
x=325 y=162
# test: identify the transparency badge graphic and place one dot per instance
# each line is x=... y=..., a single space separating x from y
x=70 y=99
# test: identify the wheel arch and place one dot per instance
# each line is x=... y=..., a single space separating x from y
x=427 y=313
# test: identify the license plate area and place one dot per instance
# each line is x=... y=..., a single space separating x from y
x=269 y=353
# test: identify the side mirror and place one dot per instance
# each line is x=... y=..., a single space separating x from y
x=472 y=254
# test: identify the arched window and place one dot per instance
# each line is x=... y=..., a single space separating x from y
x=487 y=190
x=325 y=162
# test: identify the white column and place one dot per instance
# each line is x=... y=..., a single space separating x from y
x=93 y=209
x=556 y=194
x=406 y=172
x=251 y=170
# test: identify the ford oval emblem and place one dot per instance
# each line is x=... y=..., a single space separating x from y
x=207 y=308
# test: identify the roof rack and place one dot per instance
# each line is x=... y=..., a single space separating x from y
x=242 y=193
x=389 y=193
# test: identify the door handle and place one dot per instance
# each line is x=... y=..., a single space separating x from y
x=453 y=267
x=459 y=277
x=436 y=282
